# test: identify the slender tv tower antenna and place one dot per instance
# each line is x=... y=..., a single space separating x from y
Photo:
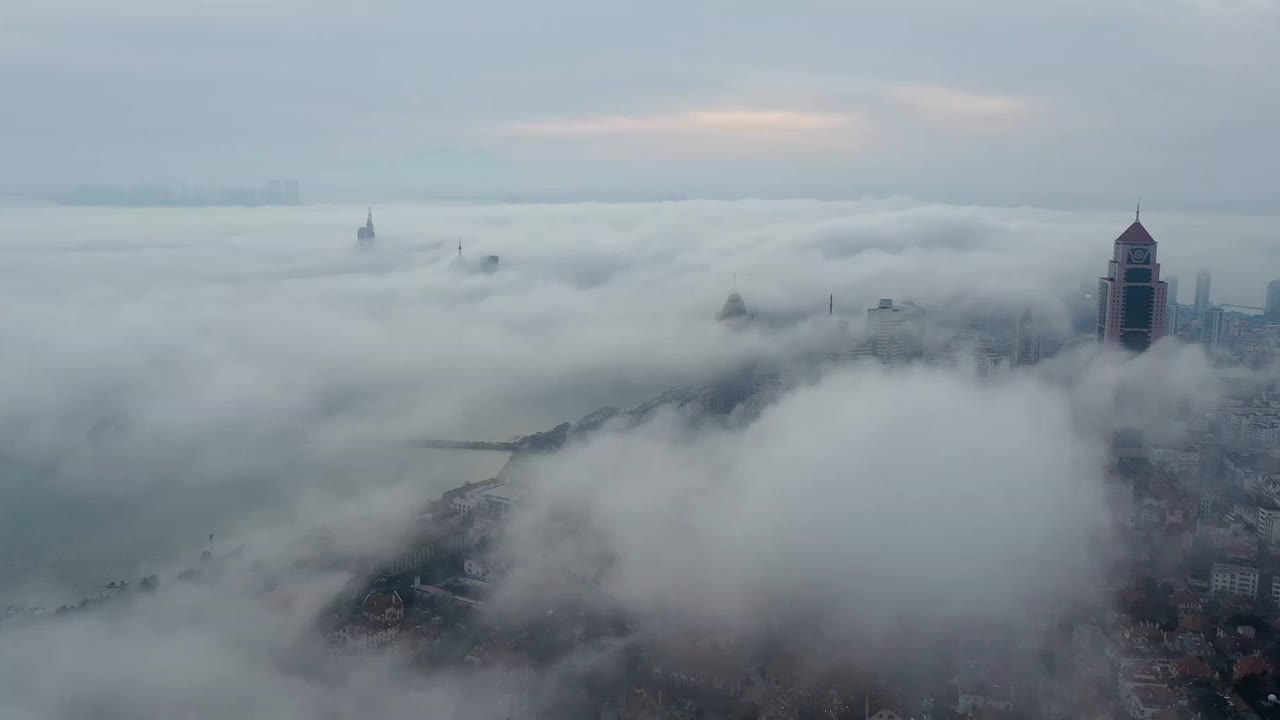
x=459 y=248
x=831 y=305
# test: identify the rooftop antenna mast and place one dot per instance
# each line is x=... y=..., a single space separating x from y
x=1137 y=212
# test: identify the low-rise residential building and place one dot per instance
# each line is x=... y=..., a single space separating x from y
x=1231 y=579
x=433 y=538
x=385 y=608
x=700 y=663
x=463 y=500
x=1144 y=701
x=1135 y=672
x=1188 y=603
x=500 y=499
x=367 y=635
x=1179 y=461
x=1192 y=668
x=485 y=567
x=1220 y=532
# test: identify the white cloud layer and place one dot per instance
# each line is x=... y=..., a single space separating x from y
x=249 y=373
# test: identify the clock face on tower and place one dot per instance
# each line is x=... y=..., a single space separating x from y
x=1139 y=256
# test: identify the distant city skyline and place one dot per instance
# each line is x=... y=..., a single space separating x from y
x=272 y=192
x=574 y=100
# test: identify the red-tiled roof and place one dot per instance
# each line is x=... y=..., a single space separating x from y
x=1253 y=665
x=378 y=603
x=1192 y=667
x=1156 y=696
x=1135 y=234
x=1194 y=623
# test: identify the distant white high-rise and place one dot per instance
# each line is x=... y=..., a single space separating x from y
x=1211 y=330
x=1172 y=316
x=1202 y=291
x=888 y=333
x=1026 y=346
x=1273 y=297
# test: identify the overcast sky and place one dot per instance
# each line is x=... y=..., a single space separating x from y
x=997 y=101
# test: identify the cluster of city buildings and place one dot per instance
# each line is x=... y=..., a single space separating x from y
x=1191 y=628
x=897 y=333
x=1193 y=631
x=1242 y=335
x=365 y=237
x=1135 y=308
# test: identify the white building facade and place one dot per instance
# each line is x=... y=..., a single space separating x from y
x=1231 y=579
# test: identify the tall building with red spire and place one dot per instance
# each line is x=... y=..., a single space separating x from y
x=1132 y=297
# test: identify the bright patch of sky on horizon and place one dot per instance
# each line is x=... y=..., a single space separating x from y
x=1067 y=103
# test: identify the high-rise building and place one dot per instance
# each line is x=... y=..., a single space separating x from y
x=1211 y=330
x=887 y=328
x=272 y=193
x=1171 y=313
x=733 y=309
x=1172 y=316
x=1273 y=298
x=292 y=193
x=1132 y=298
x=365 y=234
x=986 y=359
x=1202 y=291
x=1026 y=344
